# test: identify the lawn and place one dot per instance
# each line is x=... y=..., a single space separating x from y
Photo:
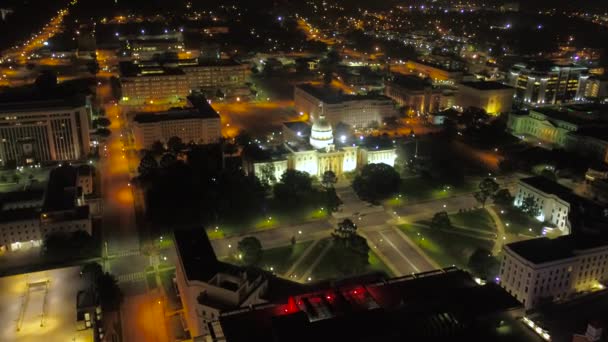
x=517 y=222
x=281 y=258
x=329 y=268
x=420 y=189
x=474 y=219
x=445 y=248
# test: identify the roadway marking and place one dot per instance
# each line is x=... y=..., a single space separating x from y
x=131 y=277
x=399 y=252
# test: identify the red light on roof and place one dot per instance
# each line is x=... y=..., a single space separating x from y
x=328 y=297
x=355 y=292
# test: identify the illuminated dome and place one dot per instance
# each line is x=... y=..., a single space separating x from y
x=321 y=133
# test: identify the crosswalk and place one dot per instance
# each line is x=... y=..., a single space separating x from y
x=131 y=277
x=126 y=253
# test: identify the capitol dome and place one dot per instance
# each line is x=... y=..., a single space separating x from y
x=321 y=133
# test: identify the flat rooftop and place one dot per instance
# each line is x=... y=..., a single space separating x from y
x=331 y=95
x=548 y=186
x=411 y=82
x=201 y=110
x=17 y=104
x=489 y=85
x=542 y=250
x=441 y=305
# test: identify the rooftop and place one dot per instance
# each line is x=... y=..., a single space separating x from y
x=332 y=95
x=17 y=104
x=61 y=189
x=201 y=110
x=549 y=187
x=543 y=249
x=130 y=69
x=489 y=85
x=411 y=82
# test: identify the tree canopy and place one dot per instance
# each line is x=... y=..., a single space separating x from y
x=376 y=182
x=250 y=249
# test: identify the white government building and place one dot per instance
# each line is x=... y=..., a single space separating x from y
x=321 y=153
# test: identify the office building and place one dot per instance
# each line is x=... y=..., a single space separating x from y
x=26 y=220
x=44 y=130
x=199 y=124
x=418 y=95
x=544 y=82
x=580 y=128
x=596 y=88
x=357 y=111
x=142 y=85
x=541 y=270
x=438 y=68
x=212 y=75
x=493 y=97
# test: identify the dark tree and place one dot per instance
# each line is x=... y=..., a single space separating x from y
x=167 y=160
x=329 y=179
x=93 y=67
x=175 y=144
x=102 y=122
x=483 y=264
x=157 y=148
x=103 y=132
x=346 y=229
x=550 y=175
x=147 y=165
x=46 y=81
x=376 y=182
x=242 y=139
x=250 y=250
x=109 y=293
x=503 y=197
x=529 y=206
x=441 y=220
x=487 y=188
x=293 y=186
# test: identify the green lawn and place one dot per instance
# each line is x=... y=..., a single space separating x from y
x=445 y=248
x=281 y=258
x=517 y=222
x=474 y=219
x=420 y=189
x=328 y=268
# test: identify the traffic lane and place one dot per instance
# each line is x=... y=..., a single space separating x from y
x=275 y=237
x=370 y=219
x=429 y=208
x=383 y=244
x=395 y=239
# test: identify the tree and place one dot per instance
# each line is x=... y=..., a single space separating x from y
x=109 y=292
x=483 y=264
x=376 y=182
x=267 y=174
x=550 y=175
x=487 y=188
x=175 y=144
x=103 y=132
x=250 y=249
x=353 y=253
x=102 y=122
x=242 y=139
x=503 y=197
x=147 y=165
x=529 y=206
x=293 y=186
x=91 y=269
x=46 y=81
x=93 y=67
x=346 y=229
x=329 y=179
x=441 y=220
x=332 y=201
x=167 y=160
x=16 y=178
x=157 y=148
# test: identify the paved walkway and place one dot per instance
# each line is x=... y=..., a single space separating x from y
x=301 y=258
x=312 y=267
x=500 y=229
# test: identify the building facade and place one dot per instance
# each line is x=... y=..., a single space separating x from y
x=158 y=85
x=357 y=111
x=41 y=131
x=320 y=154
x=418 y=95
x=578 y=128
x=540 y=270
x=552 y=200
x=217 y=74
x=493 y=97
x=540 y=83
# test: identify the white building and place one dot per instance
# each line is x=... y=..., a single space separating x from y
x=200 y=125
x=552 y=199
x=41 y=131
x=542 y=269
x=320 y=154
x=357 y=111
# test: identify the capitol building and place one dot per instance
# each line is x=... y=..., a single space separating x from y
x=320 y=152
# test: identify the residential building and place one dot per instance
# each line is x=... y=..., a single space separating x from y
x=62 y=210
x=44 y=130
x=199 y=124
x=418 y=95
x=544 y=82
x=493 y=97
x=541 y=270
x=579 y=128
x=357 y=111
x=320 y=153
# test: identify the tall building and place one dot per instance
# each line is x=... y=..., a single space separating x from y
x=544 y=82
x=542 y=270
x=596 y=88
x=357 y=111
x=41 y=131
x=211 y=75
x=143 y=85
x=493 y=97
x=199 y=124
